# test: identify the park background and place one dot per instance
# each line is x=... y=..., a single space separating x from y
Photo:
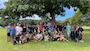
x=33 y=12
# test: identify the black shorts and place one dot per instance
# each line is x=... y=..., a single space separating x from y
x=30 y=32
x=17 y=39
x=8 y=34
x=80 y=37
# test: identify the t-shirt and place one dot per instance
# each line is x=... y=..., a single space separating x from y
x=48 y=24
x=60 y=27
x=12 y=30
x=68 y=28
x=80 y=29
x=39 y=35
x=31 y=29
x=51 y=28
x=27 y=35
x=72 y=28
x=24 y=29
x=41 y=27
x=18 y=30
x=8 y=29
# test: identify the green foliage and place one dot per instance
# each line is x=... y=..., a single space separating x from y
x=76 y=19
x=17 y=8
x=86 y=19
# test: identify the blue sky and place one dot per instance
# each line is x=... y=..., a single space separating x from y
x=69 y=12
x=1 y=3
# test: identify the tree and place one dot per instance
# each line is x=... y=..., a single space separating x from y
x=17 y=8
x=76 y=19
x=86 y=19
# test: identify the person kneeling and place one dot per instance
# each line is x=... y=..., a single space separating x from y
x=39 y=36
x=46 y=37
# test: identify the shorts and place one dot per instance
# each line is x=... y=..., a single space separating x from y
x=80 y=37
x=12 y=35
x=8 y=34
x=17 y=39
x=30 y=32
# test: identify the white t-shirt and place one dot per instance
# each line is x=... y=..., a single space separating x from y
x=8 y=29
x=27 y=35
x=39 y=35
x=18 y=30
x=48 y=24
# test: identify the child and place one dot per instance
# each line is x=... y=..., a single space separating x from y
x=39 y=36
x=12 y=33
x=28 y=36
x=46 y=36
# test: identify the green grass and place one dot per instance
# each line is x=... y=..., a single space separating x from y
x=46 y=46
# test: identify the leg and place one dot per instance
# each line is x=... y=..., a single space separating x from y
x=8 y=37
x=12 y=39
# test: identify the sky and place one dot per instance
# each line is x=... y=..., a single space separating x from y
x=2 y=3
x=69 y=12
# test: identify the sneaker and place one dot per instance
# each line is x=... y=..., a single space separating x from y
x=19 y=42
x=81 y=41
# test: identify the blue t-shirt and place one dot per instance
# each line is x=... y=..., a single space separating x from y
x=12 y=30
x=51 y=28
x=31 y=29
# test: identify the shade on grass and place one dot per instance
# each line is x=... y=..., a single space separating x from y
x=46 y=46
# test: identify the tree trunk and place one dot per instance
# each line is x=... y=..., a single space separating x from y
x=52 y=20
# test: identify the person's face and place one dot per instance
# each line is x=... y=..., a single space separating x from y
x=19 y=25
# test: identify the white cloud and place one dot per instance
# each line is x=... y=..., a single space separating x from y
x=34 y=17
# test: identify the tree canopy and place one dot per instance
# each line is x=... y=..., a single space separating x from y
x=16 y=8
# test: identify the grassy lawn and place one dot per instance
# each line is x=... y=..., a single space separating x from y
x=46 y=46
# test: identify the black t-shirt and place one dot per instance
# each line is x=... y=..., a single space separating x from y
x=80 y=29
x=24 y=29
x=60 y=27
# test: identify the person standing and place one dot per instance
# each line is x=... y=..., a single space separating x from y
x=80 y=36
x=12 y=33
x=8 y=32
x=68 y=30
x=59 y=27
x=19 y=30
x=41 y=27
x=72 y=32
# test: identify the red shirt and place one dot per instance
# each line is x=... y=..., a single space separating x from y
x=41 y=27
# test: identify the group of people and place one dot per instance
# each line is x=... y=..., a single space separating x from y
x=20 y=33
